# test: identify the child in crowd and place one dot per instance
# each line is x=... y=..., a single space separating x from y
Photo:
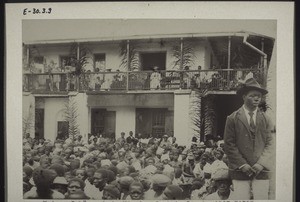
x=104 y=169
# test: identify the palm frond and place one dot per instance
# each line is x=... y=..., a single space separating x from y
x=82 y=61
x=210 y=115
x=187 y=55
x=196 y=111
x=71 y=115
x=134 y=60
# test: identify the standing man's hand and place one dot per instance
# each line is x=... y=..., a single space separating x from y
x=247 y=169
x=257 y=168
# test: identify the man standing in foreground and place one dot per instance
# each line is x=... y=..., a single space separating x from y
x=249 y=145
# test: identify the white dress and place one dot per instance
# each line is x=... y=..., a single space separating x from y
x=155 y=79
x=108 y=79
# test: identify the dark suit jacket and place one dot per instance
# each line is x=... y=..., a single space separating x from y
x=241 y=149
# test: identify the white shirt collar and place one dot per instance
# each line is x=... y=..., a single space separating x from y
x=248 y=116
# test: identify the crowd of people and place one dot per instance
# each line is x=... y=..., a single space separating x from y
x=127 y=168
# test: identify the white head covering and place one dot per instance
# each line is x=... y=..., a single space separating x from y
x=60 y=180
x=105 y=162
x=164 y=157
x=159 y=151
x=220 y=142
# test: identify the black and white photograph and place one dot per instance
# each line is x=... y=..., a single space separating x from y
x=142 y=108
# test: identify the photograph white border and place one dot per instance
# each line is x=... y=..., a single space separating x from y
x=283 y=12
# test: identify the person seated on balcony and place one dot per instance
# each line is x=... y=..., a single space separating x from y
x=108 y=79
x=117 y=77
x=197 y=77
x=155 y=79
x=206 y=77
x=97 y=83
x=196 y=81
x=215 y=80
x=117 y=80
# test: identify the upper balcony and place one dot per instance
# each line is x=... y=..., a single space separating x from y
x=132 y=81
x=215 y=62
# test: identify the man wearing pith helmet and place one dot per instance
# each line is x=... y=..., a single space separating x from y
x=222 y=182
x=249 y=145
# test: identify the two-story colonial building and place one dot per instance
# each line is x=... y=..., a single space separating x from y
x=183 y=83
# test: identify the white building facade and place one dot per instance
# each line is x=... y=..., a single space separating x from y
x=111 y=95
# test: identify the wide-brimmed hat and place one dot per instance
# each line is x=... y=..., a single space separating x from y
x=155 y=67
x=250 y=84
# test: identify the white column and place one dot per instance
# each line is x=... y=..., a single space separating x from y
x=83 y=114
x=125 y=120
x=182 y=130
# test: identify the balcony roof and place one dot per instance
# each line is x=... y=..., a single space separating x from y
x=148 y=37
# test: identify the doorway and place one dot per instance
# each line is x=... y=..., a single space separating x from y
x=225 y=105
x=103 y=122
x=154 y=121
x=39 y=123
x=62 y=130
x=151 y=59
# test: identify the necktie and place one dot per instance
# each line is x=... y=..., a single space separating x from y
x=252 y=125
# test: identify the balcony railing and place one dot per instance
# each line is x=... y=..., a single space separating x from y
x=219 y=79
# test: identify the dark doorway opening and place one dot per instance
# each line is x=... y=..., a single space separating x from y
x=154 y=121
x=39 y=123
x=62 y=130
x=151 y=59
x=103 y=122
x=225 y=105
